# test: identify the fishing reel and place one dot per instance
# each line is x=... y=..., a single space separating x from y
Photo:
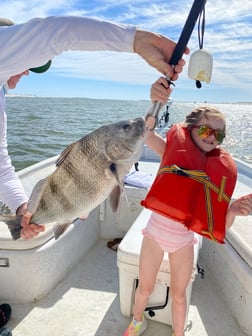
x=201 y=61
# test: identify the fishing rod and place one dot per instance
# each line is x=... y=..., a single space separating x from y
x=196 y=10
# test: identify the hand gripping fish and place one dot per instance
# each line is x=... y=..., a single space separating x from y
x=88 y=171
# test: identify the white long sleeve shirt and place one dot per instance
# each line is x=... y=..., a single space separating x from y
x=11 y=189
x=32 y=44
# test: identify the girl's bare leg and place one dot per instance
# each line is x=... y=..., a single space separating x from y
x=151 y=257
x=181 y=263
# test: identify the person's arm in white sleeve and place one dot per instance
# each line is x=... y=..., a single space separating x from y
x=31 y=44
x=11 y=190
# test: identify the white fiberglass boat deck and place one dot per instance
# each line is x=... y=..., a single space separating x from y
x=70 y=287
x=86 y=303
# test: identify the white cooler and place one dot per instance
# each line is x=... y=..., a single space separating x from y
x=159 y=305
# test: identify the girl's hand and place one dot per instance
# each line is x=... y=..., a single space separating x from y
x=242 y=206
x=160 y=91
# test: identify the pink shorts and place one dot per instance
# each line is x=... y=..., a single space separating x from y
x=170 y=235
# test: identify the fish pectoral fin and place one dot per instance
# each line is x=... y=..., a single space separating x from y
x=36 y=195
x=115 y=198
x=13 y=223
x=118 y=189
x=59 y=229
x=64 y=154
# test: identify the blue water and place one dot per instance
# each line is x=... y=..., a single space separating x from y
x=39 y=128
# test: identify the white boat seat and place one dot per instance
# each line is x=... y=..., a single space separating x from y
x=240 y=234
x=128 y=254
x=240 y=238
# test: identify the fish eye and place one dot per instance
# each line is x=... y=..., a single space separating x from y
x=127 y=127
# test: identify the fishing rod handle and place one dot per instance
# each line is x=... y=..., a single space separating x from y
x=153 y=113
x=155 y=109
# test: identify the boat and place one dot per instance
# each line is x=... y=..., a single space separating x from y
x=82 y=284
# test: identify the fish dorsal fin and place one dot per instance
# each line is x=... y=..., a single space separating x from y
x=64 y=154
x=115 y=198
x=36 y=195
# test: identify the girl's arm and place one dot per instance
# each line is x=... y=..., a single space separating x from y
x=241 y=207
x=160 y=91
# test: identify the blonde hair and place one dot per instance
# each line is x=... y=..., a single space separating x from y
x=203 y=111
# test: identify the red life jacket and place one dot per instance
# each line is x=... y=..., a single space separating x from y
x=193 y=187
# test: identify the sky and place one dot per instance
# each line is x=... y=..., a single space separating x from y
x=228 y=37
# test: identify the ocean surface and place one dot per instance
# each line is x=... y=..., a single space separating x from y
x=40 y=127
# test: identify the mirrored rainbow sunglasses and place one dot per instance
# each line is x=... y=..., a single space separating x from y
x=205 y=131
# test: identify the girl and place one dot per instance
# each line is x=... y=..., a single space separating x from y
x=189 y=156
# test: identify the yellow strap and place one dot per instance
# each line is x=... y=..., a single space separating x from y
x=211 y=236
x=199 y=176
x=222 y=188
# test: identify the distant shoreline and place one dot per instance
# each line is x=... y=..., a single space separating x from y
x=107 y=99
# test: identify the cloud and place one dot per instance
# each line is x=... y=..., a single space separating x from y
x=112 y=66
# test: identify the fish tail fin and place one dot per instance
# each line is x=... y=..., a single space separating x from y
x=59 y=229
x=14 y=225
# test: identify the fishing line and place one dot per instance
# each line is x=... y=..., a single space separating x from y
x=201 y=31
x=201 y=28
x=201 y=61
